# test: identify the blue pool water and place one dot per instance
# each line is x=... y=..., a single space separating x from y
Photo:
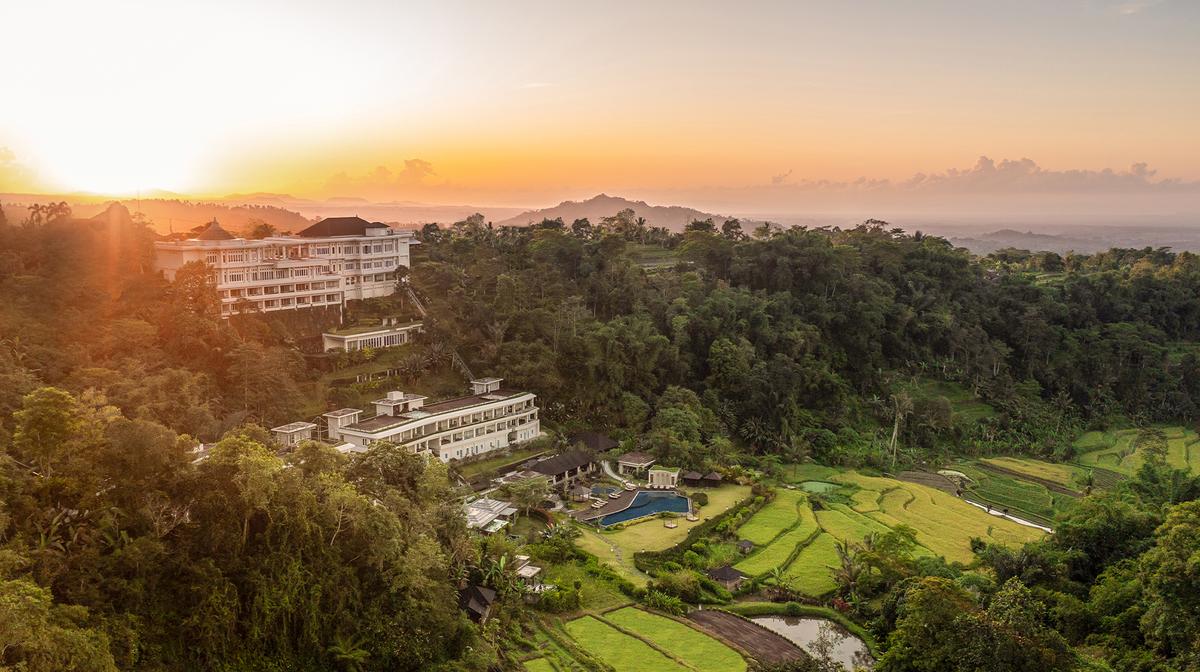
x=646 y=504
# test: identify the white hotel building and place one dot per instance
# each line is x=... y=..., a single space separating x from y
x=326 y=264
x=491 y=418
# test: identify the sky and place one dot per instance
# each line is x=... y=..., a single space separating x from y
x=769 y=105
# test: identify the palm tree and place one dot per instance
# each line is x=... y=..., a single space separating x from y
x=348 y=653
x=902 y=406
x=850 y=569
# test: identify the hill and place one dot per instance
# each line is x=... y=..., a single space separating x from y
x=673 y=217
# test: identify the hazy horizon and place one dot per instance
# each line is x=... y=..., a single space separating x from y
x=793 y=108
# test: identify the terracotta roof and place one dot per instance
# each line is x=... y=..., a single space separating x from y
x=214 y=232
x=692 y=476
x=562 y=463
x=341 y=226
x=713 y=476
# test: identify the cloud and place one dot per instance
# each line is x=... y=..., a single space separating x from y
x=1007 y=176
x=383 y=181
x=1133 y=6
x=781 y=178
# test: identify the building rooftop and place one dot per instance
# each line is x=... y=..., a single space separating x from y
x=214 y=232
x=399 y=399
x=293 y=427
x=562 y=463
x=725 y=573
x=382 y=422
x=692 y=476
x=341 y=413
x=371 y=328
x=636 y=458
x=481 y=513
x=340 y=226
x=669 y=470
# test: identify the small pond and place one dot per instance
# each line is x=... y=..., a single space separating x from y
x=646 y=503
x=819 y=486
x=603 y=490
x=813 y=633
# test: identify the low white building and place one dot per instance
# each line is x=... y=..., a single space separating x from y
x=387 y=335
x=293 y=433
x=488 y=515
x=326 y=264
x=491 y=418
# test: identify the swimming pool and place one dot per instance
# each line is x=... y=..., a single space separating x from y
x=603 y=490
x=647 y=503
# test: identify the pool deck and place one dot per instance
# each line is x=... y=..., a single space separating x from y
x=618 y=505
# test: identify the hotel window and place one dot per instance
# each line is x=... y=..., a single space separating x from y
x=210 y=258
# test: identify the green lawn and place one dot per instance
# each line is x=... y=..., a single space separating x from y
x=776 y=554
x=490 y=464
x=798 y=473
x=693 y=647
x=779 y=514
x=619 y=650
x=617 y=547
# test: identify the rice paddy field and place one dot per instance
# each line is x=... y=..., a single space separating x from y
x=1114 y=450
x=661 y=644
x=694 y=648
x=1066 y=475
x=944 y=526
x=1028 y=499
x=624 y=653
x=780 y=514
x=780 y=549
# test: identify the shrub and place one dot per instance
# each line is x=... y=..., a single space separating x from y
x=664 y=603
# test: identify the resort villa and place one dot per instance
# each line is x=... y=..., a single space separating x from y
x=634 y=464
x=324 y=265
x=490 y=418
x=664 y=478
x=567 y=468
x=388 y=334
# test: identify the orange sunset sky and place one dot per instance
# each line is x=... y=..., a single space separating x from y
x=525 y=103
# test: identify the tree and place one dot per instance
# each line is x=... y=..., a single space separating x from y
x=527 y=493
x=257 y=229
x=44 y=429
x=902 y=405
x=39 y=636
x=1171 y=571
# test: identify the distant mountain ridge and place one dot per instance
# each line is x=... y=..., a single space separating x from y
x=673 y=217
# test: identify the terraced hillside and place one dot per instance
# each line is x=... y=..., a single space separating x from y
x=1116 y=451
x=633 y=640
x=1007 y=487
x=944 y=526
